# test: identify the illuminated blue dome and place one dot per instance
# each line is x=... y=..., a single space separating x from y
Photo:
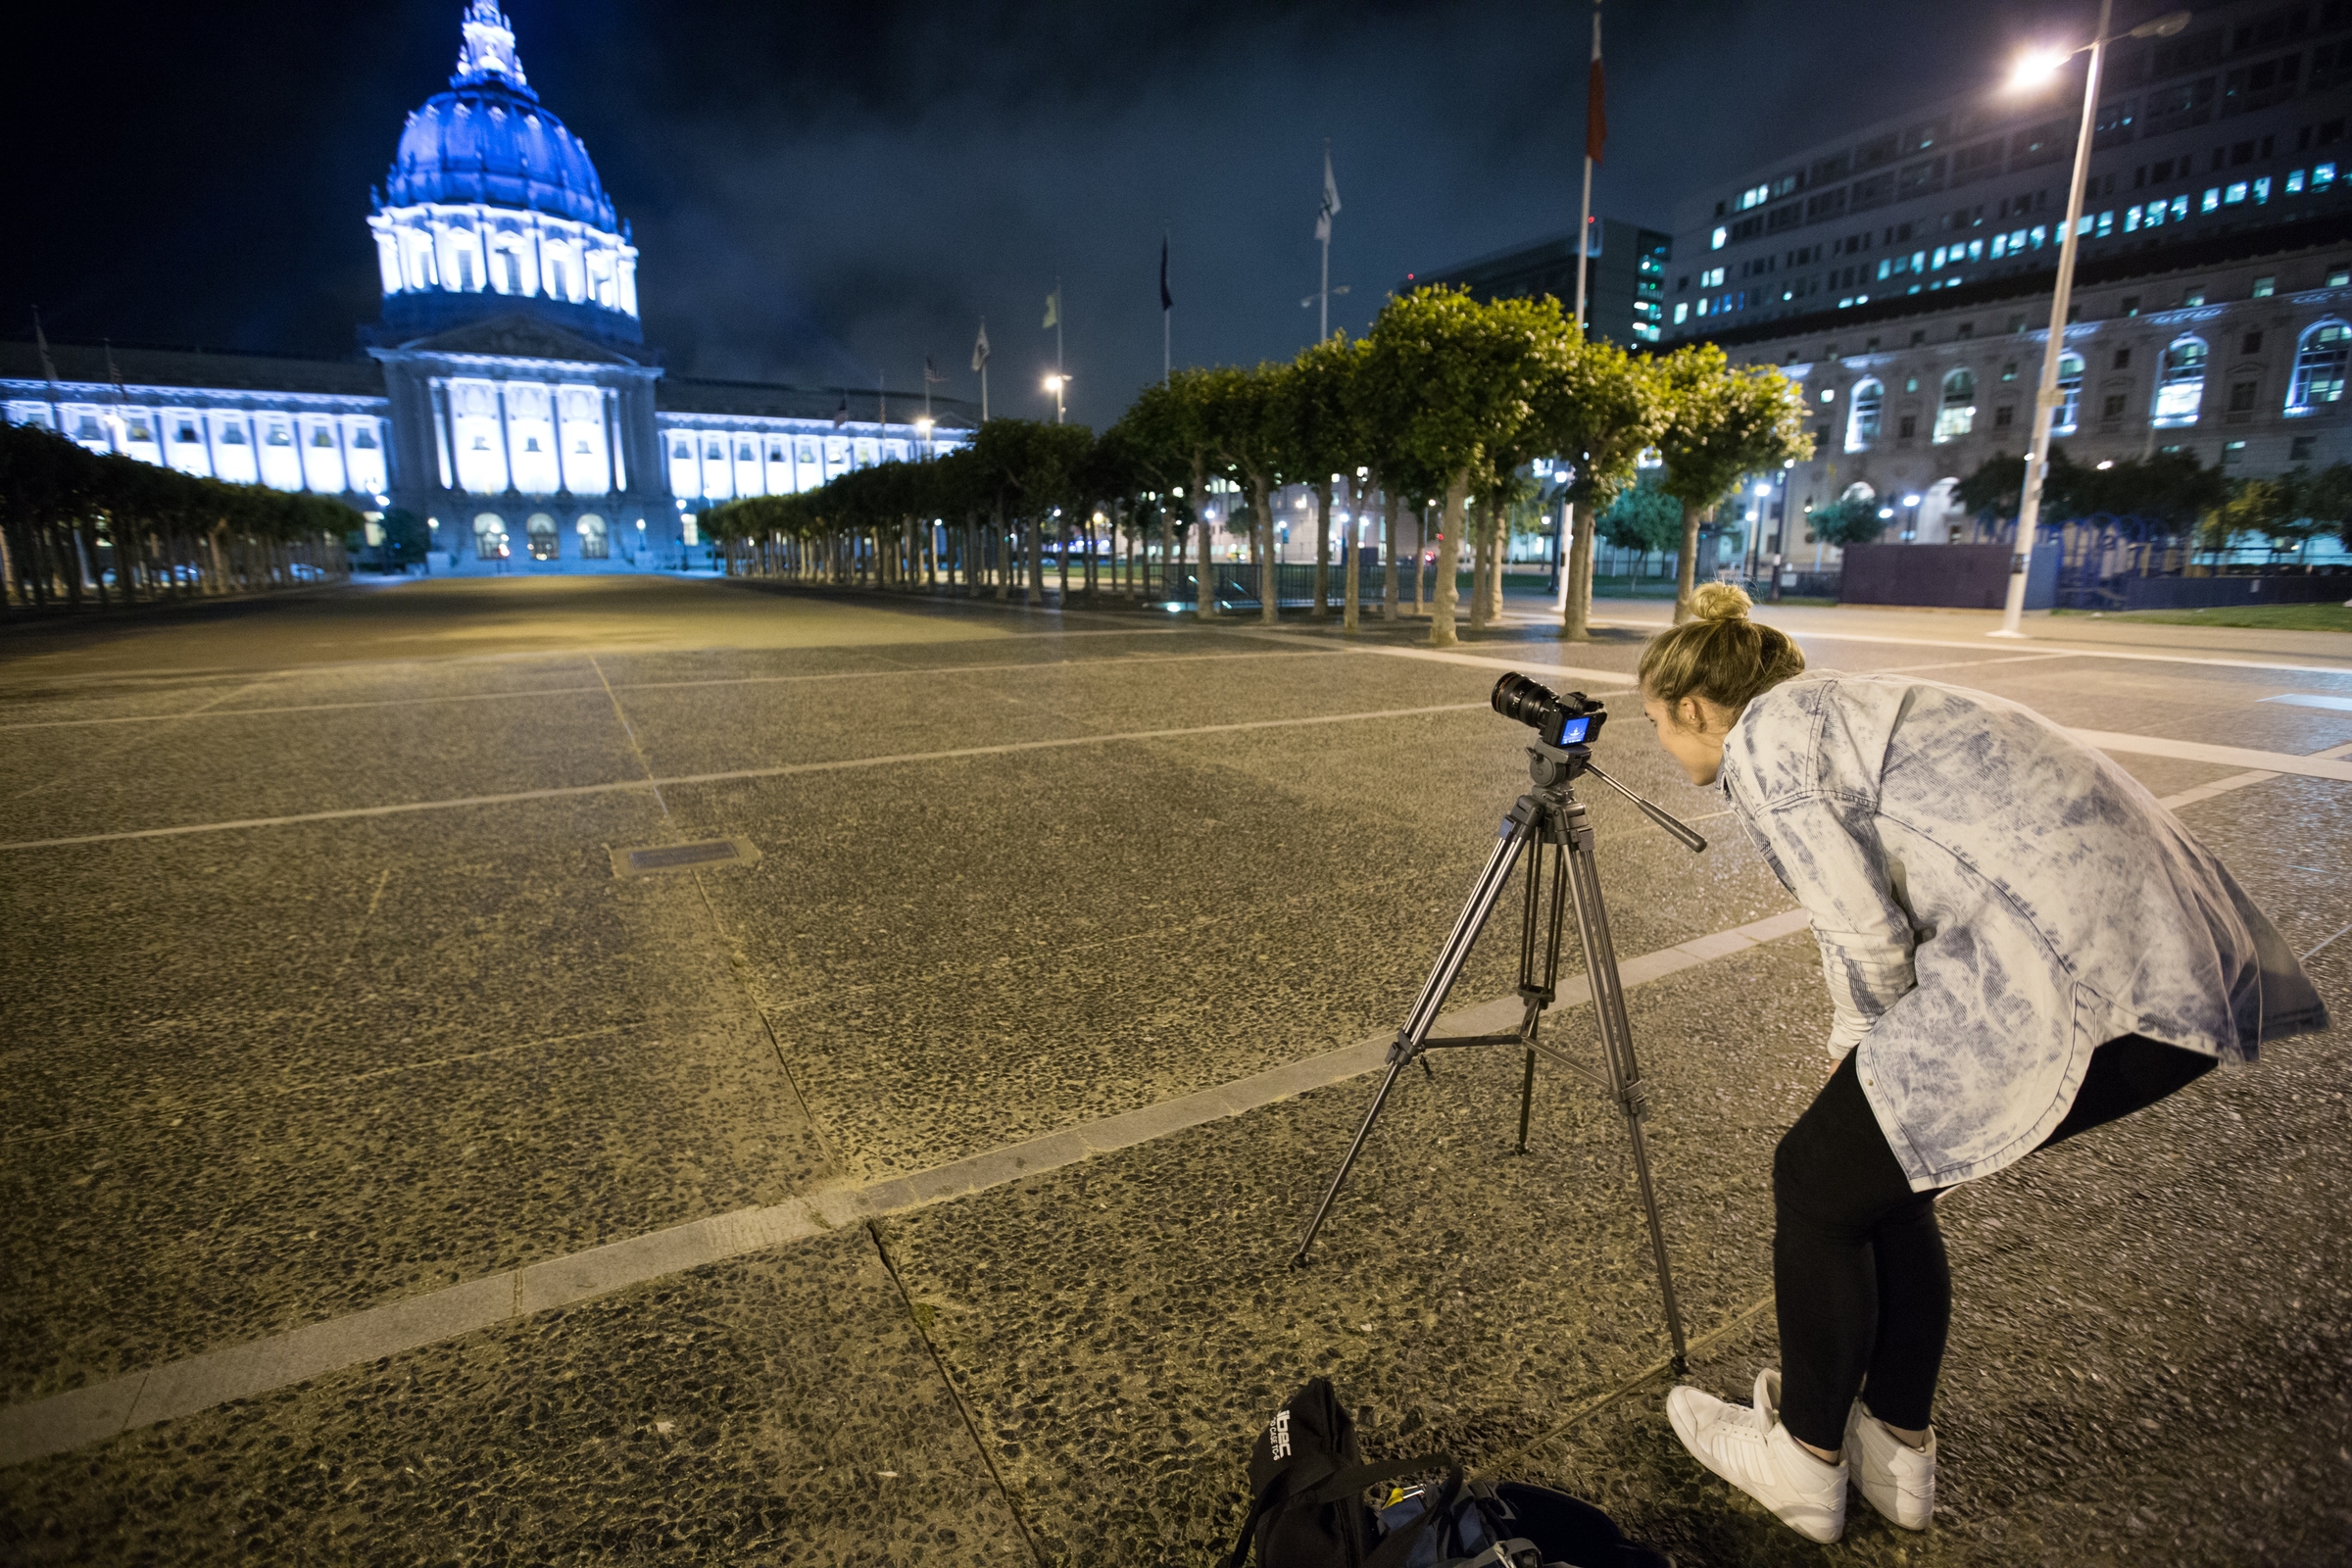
x=488 y=139
x=492 y=208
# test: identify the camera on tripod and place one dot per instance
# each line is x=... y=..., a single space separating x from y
x=1571 y=720
x=1546 y=837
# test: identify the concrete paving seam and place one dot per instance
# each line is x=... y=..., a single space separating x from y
x=66 y=1421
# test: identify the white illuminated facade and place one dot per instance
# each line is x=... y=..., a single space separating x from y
x=506 y=398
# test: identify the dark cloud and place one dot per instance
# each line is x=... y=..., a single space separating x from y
x=823 y=193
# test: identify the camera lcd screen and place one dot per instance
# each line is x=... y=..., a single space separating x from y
x=1572 y=731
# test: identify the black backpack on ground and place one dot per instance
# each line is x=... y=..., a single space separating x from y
x=1306 y=1491
x=1307 y=1481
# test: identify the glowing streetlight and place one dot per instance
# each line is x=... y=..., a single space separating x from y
x=2040 y=67
x=2035 y=67
x=1054 y=384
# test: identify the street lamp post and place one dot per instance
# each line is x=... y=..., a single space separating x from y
x=1755 y=535
x=2046 y=397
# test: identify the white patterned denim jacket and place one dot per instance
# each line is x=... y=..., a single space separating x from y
x=1994 y=900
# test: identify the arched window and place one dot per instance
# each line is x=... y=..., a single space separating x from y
x=1862 y=416
x=490 y=536
x=2180 y=384
x=2321 y=357
x=595 y=540
x=1956 y=415
x=2070 y=395
x=540 y=531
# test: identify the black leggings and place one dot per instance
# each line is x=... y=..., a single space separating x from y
x=1864 y=1294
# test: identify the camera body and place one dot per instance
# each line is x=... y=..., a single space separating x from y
x=1558 y=719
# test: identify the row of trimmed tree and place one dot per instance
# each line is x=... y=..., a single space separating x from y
x=1440 y=410
x=2204 y=507
x=80 y=527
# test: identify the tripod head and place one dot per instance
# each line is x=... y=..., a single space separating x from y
x=1555 y=767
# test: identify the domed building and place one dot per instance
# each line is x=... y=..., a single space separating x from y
x=507 y=396
x=491 y=204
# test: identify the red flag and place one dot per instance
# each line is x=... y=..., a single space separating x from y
x=1596 y=114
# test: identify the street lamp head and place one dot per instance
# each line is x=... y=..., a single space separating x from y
x=1763 y=489
x=1911 y=500
x=2164 y=27
x=2035 y=67
x=1885 y=512
x=1054 y=383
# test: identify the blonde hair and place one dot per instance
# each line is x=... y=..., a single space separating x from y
x=1718 y=654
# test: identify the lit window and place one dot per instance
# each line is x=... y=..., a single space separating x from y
x=2131 y=219
x=2212 y=201
x=2181 y=383
x=2231 y=453
x=1862 y=422
x=278 y=437
x=2069 y=394
x=2261 y=189
x=1720 y=236
x=2084 y=223
x=2179 y=208
x=2009 y=371
x=2323 y=177
x=320 y=438
x=2339 y=276
x=1975 y=250
x=1681 y=313
x=1956 y=413
x=2000 y=246
x=2017 y=240
x=2235 y=194
x=2294 y=181
x=2193 y=297
x=2106 y=224
x=2320 y=356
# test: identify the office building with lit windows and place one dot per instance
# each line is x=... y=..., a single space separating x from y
x=505 y=395
x=1625 y=277
x=1903 y=274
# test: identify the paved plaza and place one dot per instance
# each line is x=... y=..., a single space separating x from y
x=397 y=1170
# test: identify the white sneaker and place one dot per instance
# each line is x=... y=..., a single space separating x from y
x=1750 y=1449
x=1899 y=1480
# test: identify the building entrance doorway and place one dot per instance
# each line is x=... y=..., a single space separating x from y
x=490 y=536
x=541 y=531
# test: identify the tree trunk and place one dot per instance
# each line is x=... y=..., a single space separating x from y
x=1686 y=565
x=1205 y=591
x=1499 y=523
x=1322 y=609
x=1420 y=543
x=1034 y=569
x=1387 y=589
x=1351 y=562
x=1576 y=614
x=1269 y=587
x=1482 y=559
x=1449 y=552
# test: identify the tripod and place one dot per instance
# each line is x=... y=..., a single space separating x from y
x=1550 y=814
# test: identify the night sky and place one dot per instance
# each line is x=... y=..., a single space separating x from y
x=822 y=192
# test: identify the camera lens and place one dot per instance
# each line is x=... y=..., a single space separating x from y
x=1530 y=703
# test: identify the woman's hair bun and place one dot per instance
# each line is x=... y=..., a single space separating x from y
x=1719 y=601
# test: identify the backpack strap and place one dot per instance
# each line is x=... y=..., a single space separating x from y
x=1394 y=1548
x=1277 y=1486
x=1357 y=1477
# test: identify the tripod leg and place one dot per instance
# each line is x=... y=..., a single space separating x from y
x=1617 y=1042
x=1340 y=1177
x=1518 y=829
x=1527 y=1099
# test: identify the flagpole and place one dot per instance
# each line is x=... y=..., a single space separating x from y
x=1584 y=215
x=1057 y=315
x=1323 y=325
x=1166 y=308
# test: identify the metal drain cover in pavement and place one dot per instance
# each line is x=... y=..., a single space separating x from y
x=658 y=858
